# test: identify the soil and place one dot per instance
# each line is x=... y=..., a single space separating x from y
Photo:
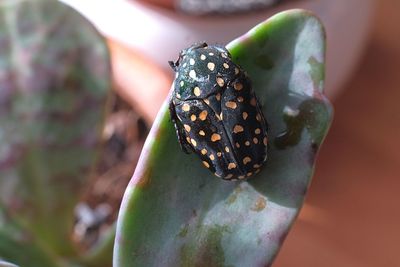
x=123 y=138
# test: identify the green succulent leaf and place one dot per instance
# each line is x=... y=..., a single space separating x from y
x=175 y=213
x=54 y=84
x=6 y=264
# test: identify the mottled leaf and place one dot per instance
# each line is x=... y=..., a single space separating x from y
x=6 y=264
x=54 y=81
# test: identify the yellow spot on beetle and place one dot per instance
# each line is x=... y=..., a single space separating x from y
x=203 y=151
x=211 y=53
x=182 y=83
x=185 y=107
x=245 y=115
x=231 y=104
x=191 y=61
x=238 y=128
x=237 y=145
x=231 y=166
x=215 y=137
x=224 y=55
x=255 y=140
x=247 y=143
x=238 y=86
x=240 y=99
x=196 y=91
x=246 y=160
x=257 y=131
x=206 y=101
x=227 y=149
x=202 y=57
x=202 y=133
x=249 y=174
x=226 y=66
x=187 y=127
x=258 y=117
x=203 y=115
x=219 y=154
x=212 y=157
x=193 y=117
x=211 y=66
x=236 y=70
x=220 y=81
x=205 y=163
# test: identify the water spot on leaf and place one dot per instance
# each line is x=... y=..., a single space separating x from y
x=260 y=204
x=317 y=72
x=264 y=61
x=232 y=198
x=206 y=249
x=308 y=115
x=183 y=232
x=146 y=179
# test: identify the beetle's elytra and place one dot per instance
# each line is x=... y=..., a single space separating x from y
x=216 y=113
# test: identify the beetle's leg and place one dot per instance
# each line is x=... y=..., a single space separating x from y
x=173 y=65
x=179 y=129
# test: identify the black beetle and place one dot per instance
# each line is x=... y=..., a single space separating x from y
x=216 y=113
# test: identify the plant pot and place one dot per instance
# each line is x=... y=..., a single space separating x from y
x=161 y=33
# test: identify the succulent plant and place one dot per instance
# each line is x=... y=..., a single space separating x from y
x=203 y=7
x=6 y=264
x=54 y=85
x=54 y=81
x=175 y=213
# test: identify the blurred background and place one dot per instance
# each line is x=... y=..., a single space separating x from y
x=351 y=215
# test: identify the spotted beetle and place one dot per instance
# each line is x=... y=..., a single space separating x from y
x=216 y=113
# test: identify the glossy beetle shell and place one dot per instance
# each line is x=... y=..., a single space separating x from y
x=216 y=113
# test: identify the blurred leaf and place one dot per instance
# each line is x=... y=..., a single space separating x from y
x=6 y=264
x=54 y=82
x=175 y=213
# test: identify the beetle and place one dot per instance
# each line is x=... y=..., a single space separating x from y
x=216 y=113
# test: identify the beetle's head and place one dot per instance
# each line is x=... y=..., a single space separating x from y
x=184 y=52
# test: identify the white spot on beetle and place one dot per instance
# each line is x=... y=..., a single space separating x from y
x=192 y=74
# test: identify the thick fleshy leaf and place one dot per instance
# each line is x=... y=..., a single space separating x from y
x=6 y=264
x=54 y=82
x=175 y=213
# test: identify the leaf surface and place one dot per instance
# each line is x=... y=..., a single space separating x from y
x=54 y=84
x=176 y=213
